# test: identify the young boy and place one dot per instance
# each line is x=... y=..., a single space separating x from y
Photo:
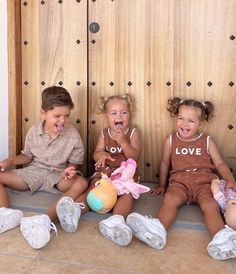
x=53 y=152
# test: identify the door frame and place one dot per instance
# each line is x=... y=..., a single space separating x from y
x=14 y=76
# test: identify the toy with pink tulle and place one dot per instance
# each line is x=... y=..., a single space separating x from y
x=103 y=197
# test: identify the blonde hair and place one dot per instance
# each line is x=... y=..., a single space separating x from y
x=103 y=103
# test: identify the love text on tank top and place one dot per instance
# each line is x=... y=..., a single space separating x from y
x=188 y=151
x=114 y=150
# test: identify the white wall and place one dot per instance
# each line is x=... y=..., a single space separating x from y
x=3 y=82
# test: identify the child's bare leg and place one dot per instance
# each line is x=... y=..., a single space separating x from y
x=115 y=228
x=151 y=230
x=212 y=215
x=124 y=205
x=11 y=180
x=71 y=188
x=83 y=199
x=4 y=200
x=173 y=199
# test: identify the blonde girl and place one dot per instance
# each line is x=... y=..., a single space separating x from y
x=116 y=143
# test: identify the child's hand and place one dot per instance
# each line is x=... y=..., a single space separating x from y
x=120 y=137
x=5 y=164
x=231 y=184
x=69 y=172
x=158 y=190
x=102 y=160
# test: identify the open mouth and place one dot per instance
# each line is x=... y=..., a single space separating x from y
x=119 y=125
x=184 y=131
x=60 y=128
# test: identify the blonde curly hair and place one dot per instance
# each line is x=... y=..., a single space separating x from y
x=103 y=102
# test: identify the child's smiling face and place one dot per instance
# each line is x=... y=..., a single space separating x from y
x=117 y=115
x=188 y=122
x=56 y=120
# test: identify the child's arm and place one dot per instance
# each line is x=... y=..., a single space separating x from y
x=131 y=147
x=100 y=155
x=164 y=169
x=220 y=166
x=20 y=159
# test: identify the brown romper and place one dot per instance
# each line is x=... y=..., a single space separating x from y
x=115 y=151
x=191 y=167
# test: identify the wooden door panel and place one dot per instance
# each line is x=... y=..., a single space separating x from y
x=205 y=58
x=133 y=51
x=54 y=52
x=153 y=49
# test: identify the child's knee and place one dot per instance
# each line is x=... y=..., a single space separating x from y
x=170 y=199
x=210 y=206
x=82 y=183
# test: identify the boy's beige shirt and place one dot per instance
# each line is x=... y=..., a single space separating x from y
x=53 y=154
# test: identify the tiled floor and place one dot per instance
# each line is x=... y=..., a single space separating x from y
x=86 y=251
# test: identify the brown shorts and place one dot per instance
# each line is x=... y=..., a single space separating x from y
x=39 y=179
x=194 y=186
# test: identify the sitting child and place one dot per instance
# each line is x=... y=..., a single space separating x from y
x=53 y=152
x=192 y=157
x=116 y=143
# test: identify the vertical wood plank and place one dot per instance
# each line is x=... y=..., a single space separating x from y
x=14 y=76
x=133 y=47
x=31 y=97
x=159 y=63
x=55 y=54
x=205 y=56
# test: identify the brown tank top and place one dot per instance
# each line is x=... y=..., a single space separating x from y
x=113 y=148
x=190 y=156
x=116 y=152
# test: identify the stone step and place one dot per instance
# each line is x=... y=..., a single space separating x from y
x=189 y=216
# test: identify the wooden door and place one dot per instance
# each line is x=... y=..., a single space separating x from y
x=54 y=52
x=153 y=49
x=133 y=53
x=157 y=49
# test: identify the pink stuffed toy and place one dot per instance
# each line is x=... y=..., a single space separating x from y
x=122 y=179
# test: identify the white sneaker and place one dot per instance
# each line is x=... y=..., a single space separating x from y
x=9 y=218
x=115 y=229
x=36 y=230
x=223 y=244
x=148 y=230
x=69 y=213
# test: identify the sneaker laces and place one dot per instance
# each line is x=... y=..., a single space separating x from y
x=53 y=227
x=80 y=205
x=67 y=216
x=156 y=222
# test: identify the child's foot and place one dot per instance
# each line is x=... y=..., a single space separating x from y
x=69 y=213
x=223 y=244
x=115 y=229
x=9 y=218
x=36 y=230
x=148 y=230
